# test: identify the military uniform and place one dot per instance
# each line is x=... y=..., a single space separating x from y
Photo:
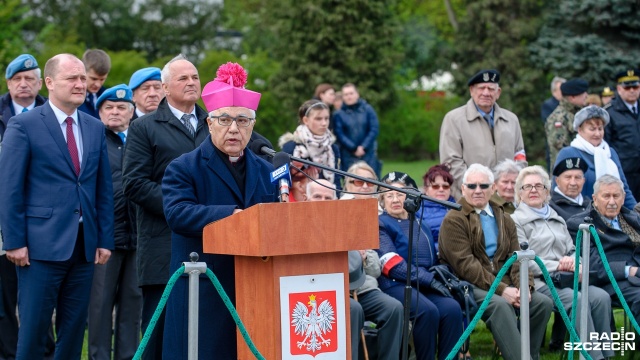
x=559 y=128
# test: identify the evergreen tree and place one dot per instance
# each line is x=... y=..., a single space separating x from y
x=336 y=42
x=591 y=39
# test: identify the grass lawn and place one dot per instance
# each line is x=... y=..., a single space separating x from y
x=415 y=169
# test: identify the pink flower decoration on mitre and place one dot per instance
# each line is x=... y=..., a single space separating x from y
x=232 y=74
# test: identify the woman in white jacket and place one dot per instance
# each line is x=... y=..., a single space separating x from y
x=547 y=234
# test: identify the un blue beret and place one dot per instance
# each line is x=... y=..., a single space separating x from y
x=24 y=62
x=117 y=93
x=629 y=77
x=574 y=87
x=485 y=76
x=142 y=75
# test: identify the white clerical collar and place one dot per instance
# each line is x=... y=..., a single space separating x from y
x=578 y=200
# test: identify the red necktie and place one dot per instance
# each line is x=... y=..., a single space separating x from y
x=71 y=145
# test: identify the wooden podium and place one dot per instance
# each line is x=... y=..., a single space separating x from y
x=273 y=240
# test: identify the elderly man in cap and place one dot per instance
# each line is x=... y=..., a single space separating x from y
x=219 y=178
x=623 y=133
x=24 y=80
x=146 y=85
x=559 y=125
x=480 y=131
x=176 y=127
x=567 y=199
x=619 y=232
x=115 y=283
x=476 y=242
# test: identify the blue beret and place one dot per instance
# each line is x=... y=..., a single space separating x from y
x=485 y=76
x=629 y=77
x=22 y=63
x=117 y=93
x=574 y=87
x=142 y=75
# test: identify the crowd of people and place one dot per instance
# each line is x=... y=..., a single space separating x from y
x=106 y=192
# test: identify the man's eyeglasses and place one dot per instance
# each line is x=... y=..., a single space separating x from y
x=538 y=187
x=360 y=183
x=226 y=120
x=474 y=186
x=443 y=186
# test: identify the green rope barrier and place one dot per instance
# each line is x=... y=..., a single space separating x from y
x=234 y=314
x=156 y=314
x=614 y=283
x=225 y=299
x=492 y=290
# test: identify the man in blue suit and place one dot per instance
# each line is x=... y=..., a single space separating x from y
x=57 y=210
x=219 y=178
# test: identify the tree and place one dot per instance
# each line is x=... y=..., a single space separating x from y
x=156 y=27
x=11 y=43
x=336 y=42
x=591 y=39
x=495 y=34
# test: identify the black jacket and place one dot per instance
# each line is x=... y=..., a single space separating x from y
x=566 y=208
x=124 y=229
x=6 y=110
x=153 y=141
x=623 y=134
x=617 y=246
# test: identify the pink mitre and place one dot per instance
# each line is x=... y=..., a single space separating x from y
x=227 y=89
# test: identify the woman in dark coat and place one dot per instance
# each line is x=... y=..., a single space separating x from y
x=219 y=178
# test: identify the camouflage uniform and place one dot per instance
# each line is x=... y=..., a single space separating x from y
x=559 y=128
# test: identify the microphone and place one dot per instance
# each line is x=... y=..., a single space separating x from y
x=261 y=147
x=281 y=175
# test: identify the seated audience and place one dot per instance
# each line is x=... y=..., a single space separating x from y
x=505 y=174
x=590 y=145
x=436 y=316
x=567 y=199
x=437 y=184
x=619 y=232
x=376 y=306
x=476 y=242
x=312 y=139
x=537 y=223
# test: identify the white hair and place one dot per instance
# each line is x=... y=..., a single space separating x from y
x=607 y=180
x=320 y=183
x=506 y=166
x=533 y=170
x=478 y=169
x=165 y=74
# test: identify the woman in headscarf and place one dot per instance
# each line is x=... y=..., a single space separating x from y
x=590 y=146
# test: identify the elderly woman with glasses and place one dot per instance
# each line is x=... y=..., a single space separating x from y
x=312 y=139
x=436 y=316
x=547 y=234
x=590 y=145
x=437 y=184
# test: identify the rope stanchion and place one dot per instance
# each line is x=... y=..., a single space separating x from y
x=156 y=314
x=492 y=290
x=614 y=283
x=225 y=299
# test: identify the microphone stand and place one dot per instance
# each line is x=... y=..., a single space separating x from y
x=411 y=204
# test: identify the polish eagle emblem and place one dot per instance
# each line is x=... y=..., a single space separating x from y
x=314 y=322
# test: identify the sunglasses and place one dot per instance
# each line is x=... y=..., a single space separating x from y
x=474 y=186
x=438 y=186
x=360 y=183
x=631 y=87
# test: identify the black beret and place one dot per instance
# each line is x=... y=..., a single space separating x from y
x=628 y=77
x=485 y=76
x=397 y=176
x=574 y=163
x=574 y=87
